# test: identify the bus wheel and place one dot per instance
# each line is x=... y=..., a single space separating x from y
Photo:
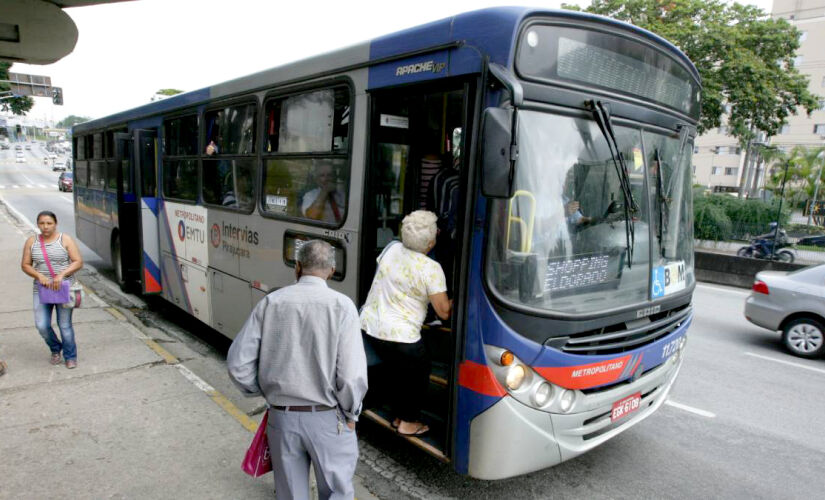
x=117 y=263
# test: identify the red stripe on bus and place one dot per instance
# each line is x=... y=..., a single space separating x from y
x=585 y=376
x=479 y=378
x=149 y=281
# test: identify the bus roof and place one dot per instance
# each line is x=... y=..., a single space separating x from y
x=481 y=31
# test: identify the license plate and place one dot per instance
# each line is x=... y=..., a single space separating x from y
x=626 y=406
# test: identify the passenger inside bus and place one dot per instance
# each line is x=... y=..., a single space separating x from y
x=443 y=200
x=326 y=202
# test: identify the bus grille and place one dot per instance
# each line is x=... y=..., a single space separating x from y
x=626 y=337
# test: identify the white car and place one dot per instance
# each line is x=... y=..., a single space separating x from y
x=20 y=158
x=59 y=166
x=52 y=156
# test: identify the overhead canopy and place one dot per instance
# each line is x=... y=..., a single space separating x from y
x=38 y=31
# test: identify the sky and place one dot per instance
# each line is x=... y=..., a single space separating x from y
x=127 y=51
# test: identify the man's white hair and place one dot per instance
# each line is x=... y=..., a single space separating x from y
x=316 y=255
x=418 y=230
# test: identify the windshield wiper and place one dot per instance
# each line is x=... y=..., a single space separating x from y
x=684 y=133
x=660 y=198
x=602 y=117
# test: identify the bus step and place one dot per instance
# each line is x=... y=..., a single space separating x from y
x=419 y=442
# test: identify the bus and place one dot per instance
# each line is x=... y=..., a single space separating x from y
x=553 y=145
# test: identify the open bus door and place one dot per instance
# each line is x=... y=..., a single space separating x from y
x=415 y=133
x=125 y=243
x=145 y=163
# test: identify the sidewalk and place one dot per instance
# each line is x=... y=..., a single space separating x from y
x=130 y=422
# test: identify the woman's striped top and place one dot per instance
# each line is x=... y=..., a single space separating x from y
x=58 y=257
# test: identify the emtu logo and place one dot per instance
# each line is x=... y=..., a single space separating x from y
x=215 y=235
x=181 y=231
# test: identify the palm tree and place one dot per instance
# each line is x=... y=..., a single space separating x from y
x=805 y=164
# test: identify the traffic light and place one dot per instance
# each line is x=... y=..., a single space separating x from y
x=57 y=96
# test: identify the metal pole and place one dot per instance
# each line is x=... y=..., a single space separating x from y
x=779 y=212
x=816 y=191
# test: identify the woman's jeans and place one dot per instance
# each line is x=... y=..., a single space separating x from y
x=43 y=323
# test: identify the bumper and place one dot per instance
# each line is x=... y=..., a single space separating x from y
x=763 y=313
x=510 y=438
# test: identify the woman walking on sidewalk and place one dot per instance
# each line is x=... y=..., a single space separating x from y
x=50 y=258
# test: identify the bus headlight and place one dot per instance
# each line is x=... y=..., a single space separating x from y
x=543 y=394
x=566 y=400
x=527 y=386
x=515 y=376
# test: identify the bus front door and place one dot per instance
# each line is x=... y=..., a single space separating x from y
x=145 y=169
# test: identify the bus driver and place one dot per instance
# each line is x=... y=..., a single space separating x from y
x=324 y=203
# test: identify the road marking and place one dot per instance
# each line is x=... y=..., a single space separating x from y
x=170 y=359
x=690 y=409
x=42 y=186
x=720 y=289
x=2 y=186
x=789 y=363
x=219 y=399
x=15 y=186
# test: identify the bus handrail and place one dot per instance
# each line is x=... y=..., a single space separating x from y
x=526 y=228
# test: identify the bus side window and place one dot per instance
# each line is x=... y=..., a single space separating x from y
x=312 y=182
x=180 y=164
x=229 y=183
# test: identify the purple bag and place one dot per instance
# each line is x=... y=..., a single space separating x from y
x=47 y=295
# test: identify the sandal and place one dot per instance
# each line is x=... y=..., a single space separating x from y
x=419 y=431
x=55 y=360
x=395 y=423
x=3 y=368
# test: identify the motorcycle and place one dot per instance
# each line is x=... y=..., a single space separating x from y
x=760 y=248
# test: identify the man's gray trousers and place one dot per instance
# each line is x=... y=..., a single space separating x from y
x=319 y=437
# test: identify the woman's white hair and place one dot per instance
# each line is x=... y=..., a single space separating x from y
x=418 y=230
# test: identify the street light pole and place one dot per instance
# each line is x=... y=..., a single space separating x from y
x=816 y=191
x=779 y=212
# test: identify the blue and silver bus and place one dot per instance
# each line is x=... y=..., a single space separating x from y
x=555 y=147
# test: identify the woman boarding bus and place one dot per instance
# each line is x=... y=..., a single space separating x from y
x=553 y=146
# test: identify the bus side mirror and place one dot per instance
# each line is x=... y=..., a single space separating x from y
x=498 y=153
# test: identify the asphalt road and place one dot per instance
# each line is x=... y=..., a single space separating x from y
x=743 y=420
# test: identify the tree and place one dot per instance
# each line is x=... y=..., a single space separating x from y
x=164 y=93
x=72 y=120
x=804 y=166
x=744 y=57
x=17 y=105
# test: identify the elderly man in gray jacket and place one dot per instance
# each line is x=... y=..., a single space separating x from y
x=301 y=349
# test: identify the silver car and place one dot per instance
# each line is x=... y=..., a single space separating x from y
x=793 y=302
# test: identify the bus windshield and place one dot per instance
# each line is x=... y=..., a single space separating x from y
x=560 y=243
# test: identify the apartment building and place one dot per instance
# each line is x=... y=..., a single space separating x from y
x=717 y=160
